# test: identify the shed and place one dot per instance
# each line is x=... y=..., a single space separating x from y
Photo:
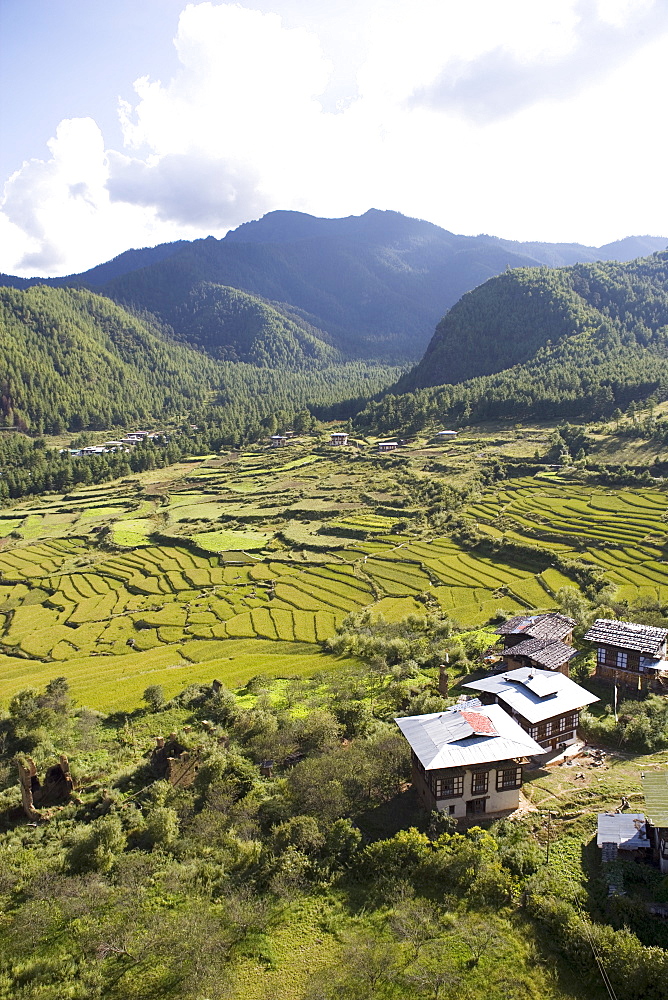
x=627 y=831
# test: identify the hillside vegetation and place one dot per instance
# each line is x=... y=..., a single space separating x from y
x=321 y=587
x=74 y=360
x=376 y=284
x=574 y=342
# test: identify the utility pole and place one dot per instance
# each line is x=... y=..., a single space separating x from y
x=549 y=830
x=615 y=706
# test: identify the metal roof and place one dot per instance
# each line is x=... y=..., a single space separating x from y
x=546 y=626
x=447 y=739
x=626 y=830
x=535 y=694
x=549 y=653
x=627 y=635
x=655 y=787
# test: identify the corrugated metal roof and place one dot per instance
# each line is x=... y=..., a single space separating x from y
x=546 y=626
x=521 y=690
x=655 y=787
x=627 y=635
x=626 y=830
x=431 y=739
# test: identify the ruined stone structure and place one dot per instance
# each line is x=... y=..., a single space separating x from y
x=56 y=788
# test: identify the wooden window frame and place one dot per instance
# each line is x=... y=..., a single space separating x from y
x=479 y=782
x=450 y=787
x=503 y=783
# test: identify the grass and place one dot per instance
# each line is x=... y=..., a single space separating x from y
x=91 y=609
x=116 y=683
x=221 y=541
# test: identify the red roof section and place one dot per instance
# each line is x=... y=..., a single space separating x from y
x=479 y=723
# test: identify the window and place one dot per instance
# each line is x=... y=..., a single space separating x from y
x=569 y=722
x=621 y=659
x=509 y=777
x=479 y=782
x=533 y=732
x=448 y=788
x=544 y=729
x=600 y=654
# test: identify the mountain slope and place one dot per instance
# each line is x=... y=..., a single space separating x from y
x=234 y=326
x=574 y=342
x=71 y=359
x=372 y=286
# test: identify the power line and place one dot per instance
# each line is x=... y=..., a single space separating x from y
x=597 y=958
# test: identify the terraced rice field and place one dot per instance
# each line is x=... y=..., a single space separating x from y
x=229 y=568
x=624 y=532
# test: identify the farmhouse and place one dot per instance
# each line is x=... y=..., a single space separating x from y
x=655 y=787
x=630 y=654
x=542 y=641
x=468 y=762
x=278 y=440
x=446 y=435
x=387 y=445
x=545 y=703
x=338 y=438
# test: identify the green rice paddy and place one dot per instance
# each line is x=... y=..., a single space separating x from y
x=162 y=579
x=624 y=532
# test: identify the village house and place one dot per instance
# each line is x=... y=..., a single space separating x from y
x=278 y=440
x=338 y=438
x=630 y=654
x=387 y=445
x=467 y=762
x=655 y=788
x=542 y=641
x=545 y=703
x=446 y=435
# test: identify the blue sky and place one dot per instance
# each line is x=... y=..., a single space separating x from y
x=133 y=123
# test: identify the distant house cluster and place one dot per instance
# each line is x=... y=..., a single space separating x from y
x=124 y=444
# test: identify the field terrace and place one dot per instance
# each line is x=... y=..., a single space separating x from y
x=226 y=567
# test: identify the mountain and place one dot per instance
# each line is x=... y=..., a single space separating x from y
x=70 y=359
x=534 y=342
x=370 y=286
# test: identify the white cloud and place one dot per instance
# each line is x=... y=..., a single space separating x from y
x=247 y=125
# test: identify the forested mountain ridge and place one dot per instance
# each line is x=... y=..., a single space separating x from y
x=568 y=343
x=234 y=326
x=376 y=284
x=72 y=359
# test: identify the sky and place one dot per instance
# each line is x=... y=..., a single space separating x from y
x=128 y=123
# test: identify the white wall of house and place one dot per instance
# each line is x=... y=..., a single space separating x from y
x=495 y=801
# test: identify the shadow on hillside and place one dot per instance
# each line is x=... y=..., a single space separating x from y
x=399 y=813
